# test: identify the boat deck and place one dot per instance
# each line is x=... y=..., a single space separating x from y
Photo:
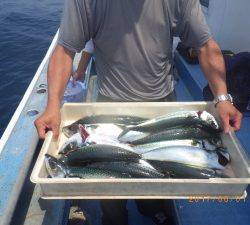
x=20 y=202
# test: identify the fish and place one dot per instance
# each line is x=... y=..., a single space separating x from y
x=212 y=144
x=188 y=155
x=55 y=167
x=99 y=153
x=135 y=169
x=73 y=143
x=174 y=134
x=101 y=139
x=155 y=145
x=208 y=145
x=58 y=169
x=145 y=163
x=184 y=171
x=95 y=173
x=202 y=119
x=84 y=138
x=70 y=130
x=121 y=120
x=107 y=130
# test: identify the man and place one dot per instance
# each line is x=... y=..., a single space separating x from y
x=133 y=48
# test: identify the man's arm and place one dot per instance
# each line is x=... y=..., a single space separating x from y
x=213 y=66
x=74 y=32
x=82 y=66
x=59 y=71
x=84 y=61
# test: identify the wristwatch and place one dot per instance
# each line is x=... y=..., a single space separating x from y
x=222 y=98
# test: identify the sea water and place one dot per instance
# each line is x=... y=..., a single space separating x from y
x=27 y=28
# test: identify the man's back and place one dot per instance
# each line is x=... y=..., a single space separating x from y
x=133 y=41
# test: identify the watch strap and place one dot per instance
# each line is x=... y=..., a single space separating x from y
x=222 y=98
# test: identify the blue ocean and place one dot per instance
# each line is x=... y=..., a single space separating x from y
x=27 y=28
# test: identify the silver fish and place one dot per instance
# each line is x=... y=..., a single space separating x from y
x=187 y=155
x=58 y=169
x=96 y=119
x=55 y=168
x=135 y=169
x=107 y=130
x=211 y=145
x=140 y=149
x=99 y=153
x=132 y=136
x=177 y=119
x=74 y=142
x=101 y=138
x=179 y=170
x=175 y=134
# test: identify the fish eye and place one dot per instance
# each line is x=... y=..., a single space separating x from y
x=53 y=166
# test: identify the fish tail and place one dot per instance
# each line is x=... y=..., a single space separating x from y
x=125 y=131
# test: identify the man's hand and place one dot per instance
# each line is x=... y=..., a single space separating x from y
x=229 y=116
x=49 y=120
x=213 y=66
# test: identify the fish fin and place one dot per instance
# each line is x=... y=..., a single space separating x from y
x=84 y=133
x=125 y=131
x=122 y=126
x=66 y=131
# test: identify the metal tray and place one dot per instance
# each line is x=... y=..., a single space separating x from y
x=74 y=188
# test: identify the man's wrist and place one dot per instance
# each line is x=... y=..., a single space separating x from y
x=54 y=104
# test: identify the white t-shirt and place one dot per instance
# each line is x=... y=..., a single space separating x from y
x=89 y=47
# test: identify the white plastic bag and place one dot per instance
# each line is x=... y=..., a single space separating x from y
x=75 y=92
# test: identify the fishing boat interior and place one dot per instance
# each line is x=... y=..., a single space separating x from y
x=20 y=199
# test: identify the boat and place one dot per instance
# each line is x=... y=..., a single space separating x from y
x=20 y=202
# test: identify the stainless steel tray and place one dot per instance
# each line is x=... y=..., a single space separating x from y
x=74 y=188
